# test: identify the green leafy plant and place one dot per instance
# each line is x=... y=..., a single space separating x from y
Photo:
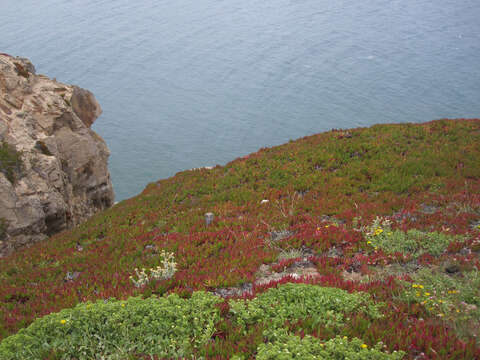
x=309 y=348
x=324 y=305
x=169 y=327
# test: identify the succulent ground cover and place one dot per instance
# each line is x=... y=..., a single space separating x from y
x=387 y=216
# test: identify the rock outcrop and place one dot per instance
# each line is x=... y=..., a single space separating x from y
x=62 y=177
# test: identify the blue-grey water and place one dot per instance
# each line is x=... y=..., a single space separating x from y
x=190 y=83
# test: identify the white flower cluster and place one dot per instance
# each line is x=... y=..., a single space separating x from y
x=162 y=272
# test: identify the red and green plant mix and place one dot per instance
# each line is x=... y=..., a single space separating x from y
x=387 y=219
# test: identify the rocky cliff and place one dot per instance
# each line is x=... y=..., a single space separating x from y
x=53 y=167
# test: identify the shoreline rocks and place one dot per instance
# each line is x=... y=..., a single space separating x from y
x=63 y=178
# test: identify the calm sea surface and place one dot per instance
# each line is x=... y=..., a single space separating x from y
x=190 y=83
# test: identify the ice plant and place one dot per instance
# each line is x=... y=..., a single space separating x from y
x=386 y=171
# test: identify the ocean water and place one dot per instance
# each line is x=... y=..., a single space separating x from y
x=190 y=83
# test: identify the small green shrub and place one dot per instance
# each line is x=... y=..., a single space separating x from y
x=413 y=242
x=293 y=347
x=326 y=306
x=10 y=161
x=453 y=298
x=170 y=327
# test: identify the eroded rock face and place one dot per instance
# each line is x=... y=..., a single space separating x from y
x=64 y=177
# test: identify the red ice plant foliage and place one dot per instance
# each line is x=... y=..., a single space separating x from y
x=323 y=189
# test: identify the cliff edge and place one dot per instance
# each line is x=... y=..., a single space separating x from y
x=53 y=167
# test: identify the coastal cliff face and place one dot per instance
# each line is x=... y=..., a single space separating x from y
x=53 y=167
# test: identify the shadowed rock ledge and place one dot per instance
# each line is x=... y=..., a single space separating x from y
x=53 y=167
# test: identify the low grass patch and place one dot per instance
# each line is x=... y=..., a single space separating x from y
x=412 y=242
x=451 y=298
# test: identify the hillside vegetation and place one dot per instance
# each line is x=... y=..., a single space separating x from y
x=358 y=244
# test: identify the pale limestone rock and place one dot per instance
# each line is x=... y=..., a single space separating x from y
x=65 y=178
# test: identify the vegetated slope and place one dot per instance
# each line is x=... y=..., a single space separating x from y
x=392 y=211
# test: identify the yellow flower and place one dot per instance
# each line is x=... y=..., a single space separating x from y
x=123 y=305
x=414 y=285
x=345 y=338
x=457 y=311
x=327 y=226
x=427 y=294
x=369 y=242
x=418 y=294
x=364 y=346
x=63 y=321
x=420 y=286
